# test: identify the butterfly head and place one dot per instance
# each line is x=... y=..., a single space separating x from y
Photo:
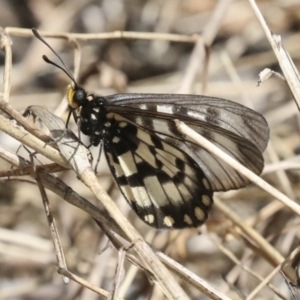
x=76 y=96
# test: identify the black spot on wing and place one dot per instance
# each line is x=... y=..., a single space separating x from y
x=134 y=180
x=122 y=180
x=156 y=141
x=180 y=164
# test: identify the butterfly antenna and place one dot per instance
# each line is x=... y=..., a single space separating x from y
x=47 y=60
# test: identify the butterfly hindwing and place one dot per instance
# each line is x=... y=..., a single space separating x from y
x=163 y=185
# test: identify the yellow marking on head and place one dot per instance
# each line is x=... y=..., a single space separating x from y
x=206 y=200
x=168 y=221
x=187 y=219
x=199 y=213
x=149 y=218
x=70 y=96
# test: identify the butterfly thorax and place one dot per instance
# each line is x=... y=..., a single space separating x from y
x=93 y=121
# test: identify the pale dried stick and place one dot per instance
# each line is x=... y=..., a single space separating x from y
x=286 y=64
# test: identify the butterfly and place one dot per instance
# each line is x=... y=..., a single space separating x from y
x=168 y=179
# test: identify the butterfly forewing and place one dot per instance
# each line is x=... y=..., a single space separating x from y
x=237 y=130
x=222 y=113
x=164 y=186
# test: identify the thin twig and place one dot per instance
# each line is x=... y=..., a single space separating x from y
x=106 y=35
x=286 y=64
x=6 y=45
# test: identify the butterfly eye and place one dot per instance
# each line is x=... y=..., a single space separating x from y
x=79 y=96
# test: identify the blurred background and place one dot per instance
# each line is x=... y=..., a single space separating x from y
x=239 y=52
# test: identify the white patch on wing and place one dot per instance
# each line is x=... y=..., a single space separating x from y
x=167 y=165
x=139 y=120
x=165 y=157
x=165 y=109
x=196 y=115
x=117 y=117
x=144 y=152
x=168 y=221
x=186 y=195
x=126 y=189
x=187 y=219
x=189 y=183
x=206 y=200
x=116 y=140
x=127 y=164
x=143 y=106
x=155 y=191
x=149 y=218
x=206 y=183
x=173 y=193
x=145 y=137
x=168 y=171
x=199 y=213
x=141 y=196
x=137 y=159
x=173 y=151
x=158 y=123
x=118 y=170
x=189 y=171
